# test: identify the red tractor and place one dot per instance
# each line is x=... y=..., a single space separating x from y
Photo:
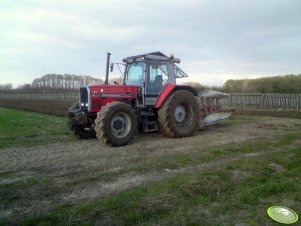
x=148 y=99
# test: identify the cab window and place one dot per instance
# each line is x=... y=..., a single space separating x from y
x=134 y=74
x=157 y=77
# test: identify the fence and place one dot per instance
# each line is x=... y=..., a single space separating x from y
x=256 y=100
x=264 y=100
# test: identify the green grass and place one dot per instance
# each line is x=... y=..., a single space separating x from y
x=212 y=197
x=20 y=128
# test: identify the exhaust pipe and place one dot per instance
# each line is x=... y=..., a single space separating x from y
x=107 y=68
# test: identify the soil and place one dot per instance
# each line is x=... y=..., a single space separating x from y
x=53 y=107
x=40 y=177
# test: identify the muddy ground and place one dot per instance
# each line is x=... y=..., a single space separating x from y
x=34 y=180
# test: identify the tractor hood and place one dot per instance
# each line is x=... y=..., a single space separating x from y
x=93 y=97
x=113 y=90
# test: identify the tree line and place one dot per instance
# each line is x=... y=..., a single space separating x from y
x=66 y=81
x=54 y=83
x=276 y=84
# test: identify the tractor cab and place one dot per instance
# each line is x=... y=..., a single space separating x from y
x=151 y=72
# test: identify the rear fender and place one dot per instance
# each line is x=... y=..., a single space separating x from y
x=168 y=90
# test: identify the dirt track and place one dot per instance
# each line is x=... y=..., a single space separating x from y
x=43 y=176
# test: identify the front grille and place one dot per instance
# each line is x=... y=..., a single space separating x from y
x=83 y=98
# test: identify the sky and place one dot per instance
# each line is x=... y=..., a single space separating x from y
x=216 y=40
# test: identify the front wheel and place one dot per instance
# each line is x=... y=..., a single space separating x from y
x=179 y=116
x=79 y=131
x=116 y=124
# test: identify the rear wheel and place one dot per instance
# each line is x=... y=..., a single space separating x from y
x=179 y=116
x=116 y=124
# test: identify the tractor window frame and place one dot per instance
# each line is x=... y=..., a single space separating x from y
x=179 y=73
x=136 y=78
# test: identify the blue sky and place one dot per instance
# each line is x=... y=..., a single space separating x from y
x=215 y=40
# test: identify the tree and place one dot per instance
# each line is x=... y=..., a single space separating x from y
x=59 y=83
x=7 y=86
x=276 y=84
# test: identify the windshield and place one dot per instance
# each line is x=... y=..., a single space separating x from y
x=134 y=74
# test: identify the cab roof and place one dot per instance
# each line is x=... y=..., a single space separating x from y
x=150 y=56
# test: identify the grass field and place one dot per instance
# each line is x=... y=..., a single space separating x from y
x=20 y=128
x=228 y=174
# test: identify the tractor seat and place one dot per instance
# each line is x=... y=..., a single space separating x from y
x=158 y=81
x=156 y=85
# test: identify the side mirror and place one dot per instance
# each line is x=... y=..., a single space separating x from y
x=111 y=67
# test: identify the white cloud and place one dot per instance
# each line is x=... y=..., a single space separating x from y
x=214 y=39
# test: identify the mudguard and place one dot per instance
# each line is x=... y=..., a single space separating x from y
x=170 y=88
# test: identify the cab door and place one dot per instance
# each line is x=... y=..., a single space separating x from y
x=156 y=78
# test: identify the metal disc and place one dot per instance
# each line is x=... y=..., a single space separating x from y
x=282 y=214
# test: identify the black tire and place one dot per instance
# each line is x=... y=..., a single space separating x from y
x=74 y=106
x=78 y=130
x=179 y=116
x=81 y=133
x=71 y=124
x=116 y=124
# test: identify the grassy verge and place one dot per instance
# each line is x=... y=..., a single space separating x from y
x=238 y=192
x=20 y=128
